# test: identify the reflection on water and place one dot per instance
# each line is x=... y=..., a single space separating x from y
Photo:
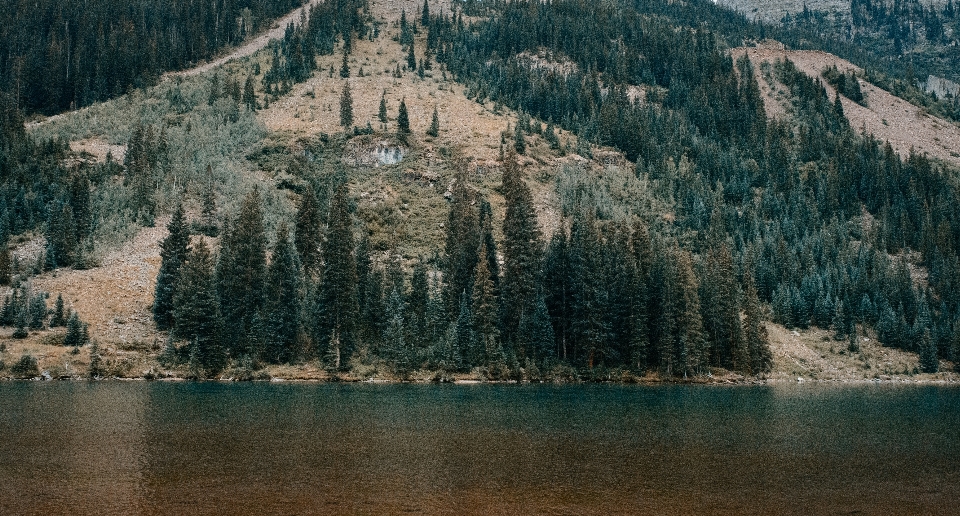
x=188 y=448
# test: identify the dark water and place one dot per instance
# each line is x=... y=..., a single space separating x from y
x=161 y=448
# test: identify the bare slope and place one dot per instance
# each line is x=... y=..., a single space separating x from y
x=886 y=116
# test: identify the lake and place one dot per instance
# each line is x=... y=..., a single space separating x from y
x=269 y=448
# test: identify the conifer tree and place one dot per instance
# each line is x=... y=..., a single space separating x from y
x=344 y=66
x=197 y=312
x=464 y=339
x=308 y=236
x=173 y=251
x=382 y=112
x=403 y=120
x=6 y=269
x=522 y=250
x=394 y=336
x=76 y=334
x=249 y=96
x=754 y=332
x=346 y=106
x=59 y=318
x=929 y=363
x=434 y=129
x=38 y=311
x=425 y=14
x=519 y=141
x=283 y=300
x=484 y=309
x=588 y=324
x=241 y=274
x=692 y=345
x=337 y=296
x=462 y=244
x=411 y=58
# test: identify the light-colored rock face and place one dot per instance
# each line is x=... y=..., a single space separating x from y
x=887 y=117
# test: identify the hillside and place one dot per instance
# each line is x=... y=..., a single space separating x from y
x=402 y=187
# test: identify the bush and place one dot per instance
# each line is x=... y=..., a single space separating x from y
x=26 y=367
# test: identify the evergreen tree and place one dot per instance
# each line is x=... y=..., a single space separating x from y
x=38 y=311
x=394 y=336
x=382 y=112
x=59 y=318
x=308 y=236
x=434 y=129
x=173 y=251
x=403 y=120
x=692 y=349
x=411 y=58
x=519 y=141
x=197 y=313
x=929 y=363
x=6 y=269
x=346 y=106
x=241 y=274
x=486 y=333
x=344 y=66
x=425 y=15
x=76 y=334
x=462 y=243
x=522 y=251
x=754 y=332
x=249 y=96
x=337 y=296
x=283 y=300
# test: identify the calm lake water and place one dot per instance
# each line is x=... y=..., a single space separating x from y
x=209 y=448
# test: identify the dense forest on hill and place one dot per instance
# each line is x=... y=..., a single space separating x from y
x=62 y=54
x=720 y=218
x=824 y=223
x=899 y=43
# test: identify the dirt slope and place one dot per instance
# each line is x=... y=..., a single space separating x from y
x=888 y=117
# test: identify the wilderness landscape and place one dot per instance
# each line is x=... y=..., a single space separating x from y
x=468 y=191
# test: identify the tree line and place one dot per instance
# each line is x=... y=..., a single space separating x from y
x=60 y=55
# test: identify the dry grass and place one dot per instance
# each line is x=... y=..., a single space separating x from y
x=814 y=355
x=886 y=116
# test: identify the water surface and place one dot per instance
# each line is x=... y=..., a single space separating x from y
x=209 y=448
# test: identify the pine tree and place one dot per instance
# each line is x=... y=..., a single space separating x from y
x=308 y=236
x=59 y=318
x=403 y=120
x=344 y=66
x=519 y=141
x=464 y=338
x=249 y=96
x=411 y=58
x=346 y=106
x=6 y=269
x=462 y=244
x=196 y=311
x=382 y=112
x=394 y=336
x=754 y=331
x=283 y=300
x=522 y=251
x=38 y=311
x=241 y=274
x=337 y=296
x=425 y=15
x=434 y=129
x=693 y=351
x=75 y=336
x=173 y=251
x=929 y=362
x=484 y=309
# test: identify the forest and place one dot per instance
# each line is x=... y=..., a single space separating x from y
x=60 y=55
x=803 y=219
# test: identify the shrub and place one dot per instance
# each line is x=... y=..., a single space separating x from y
x=26 y=367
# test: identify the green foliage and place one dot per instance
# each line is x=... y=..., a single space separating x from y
x=197 y=313
x=346 y=106
x=434 y=129
x=173 y=252
x=336 y=305
x=403 y=120
x=283 y=304
x=77 y=334
x=26 y=367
